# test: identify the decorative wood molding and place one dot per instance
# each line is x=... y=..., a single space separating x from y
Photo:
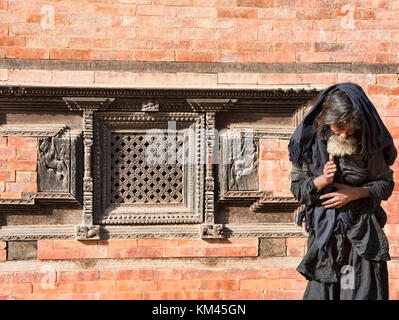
x=32 y=130
x=57 y=232
x=190 y=210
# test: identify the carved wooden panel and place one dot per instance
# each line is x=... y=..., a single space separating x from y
x=135 y=179
x=145 y=171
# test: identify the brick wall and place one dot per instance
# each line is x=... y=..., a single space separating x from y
x=300 y=43
x=18 y=165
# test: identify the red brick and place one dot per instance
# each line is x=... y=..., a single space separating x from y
x=27 y=53
x=3 y=5
x=71 y=54
x=7 y=153
x=153 y=10
x=22 y=142
x=26 y=153
x=142 y=253
x=246 y=273
x=293 y=284
x=223 y=252
x=10 y=195
x=22 y=165
x=172 y=274
x=72 y=276
x=112 y=55
x=295 y=251
x=96 y=286
x=219 y=285
x=185 y=55
x=12 y=288
x=56 y=287
x=7 y=176
x=134 y=285
x=243 y=295
x=57 y=254
x=296 y=241
x=3 y=140
x=151 y=55
x=6 y=277
x=236 y=13
x=11 y=41
x=202 y=274
x=259 y=284
x=121 y=296
x=26 y=177
x=176 y=285
x=3 y=255
x=182 y=252
x=128 y=275
x=21 y=187
x=119 y=243
x=393 y=284
x=283 y=295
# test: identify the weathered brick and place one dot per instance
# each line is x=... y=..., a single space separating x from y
x=259 y=284
x=58 y=254
x=22 y=165
x=21 y=187
x=26 y=177
x=22 y=142
x=134 y=285
x=7 y=153
x=72 y=276
x=96 y=286
x=7 y=176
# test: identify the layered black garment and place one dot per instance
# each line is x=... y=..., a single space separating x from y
x=347 y=248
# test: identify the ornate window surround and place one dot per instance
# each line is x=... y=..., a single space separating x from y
x=208 y=102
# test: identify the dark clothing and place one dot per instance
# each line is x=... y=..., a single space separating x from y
x=350 y=237
x=363 y=246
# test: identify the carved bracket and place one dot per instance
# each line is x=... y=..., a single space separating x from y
x=91 y=232
x=212 y=231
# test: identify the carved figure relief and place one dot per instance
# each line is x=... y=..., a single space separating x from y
x=54 y=164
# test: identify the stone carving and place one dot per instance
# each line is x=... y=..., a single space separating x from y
x=91 y=232
x=212 y=231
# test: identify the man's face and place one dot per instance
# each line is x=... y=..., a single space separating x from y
x=344 y=131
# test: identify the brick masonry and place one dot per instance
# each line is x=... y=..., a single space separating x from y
x=186 y=43
x=18 y=164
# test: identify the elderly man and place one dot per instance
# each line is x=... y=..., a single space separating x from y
x=341 y=153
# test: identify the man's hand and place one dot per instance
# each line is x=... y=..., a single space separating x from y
x=343 y=195
x=328 y=174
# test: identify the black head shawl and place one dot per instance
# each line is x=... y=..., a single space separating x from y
x=306 y=147
x=374 y=134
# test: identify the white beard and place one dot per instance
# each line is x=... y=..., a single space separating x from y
x=338 y=146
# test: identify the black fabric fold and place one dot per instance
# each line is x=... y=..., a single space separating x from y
x=305 y=147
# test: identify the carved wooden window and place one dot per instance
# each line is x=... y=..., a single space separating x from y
x=144 y=171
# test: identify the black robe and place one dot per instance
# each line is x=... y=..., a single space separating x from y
x=346 y=244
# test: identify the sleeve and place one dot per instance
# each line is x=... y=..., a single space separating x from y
x=303 y=187
x=381 y=181
x=380 y=189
